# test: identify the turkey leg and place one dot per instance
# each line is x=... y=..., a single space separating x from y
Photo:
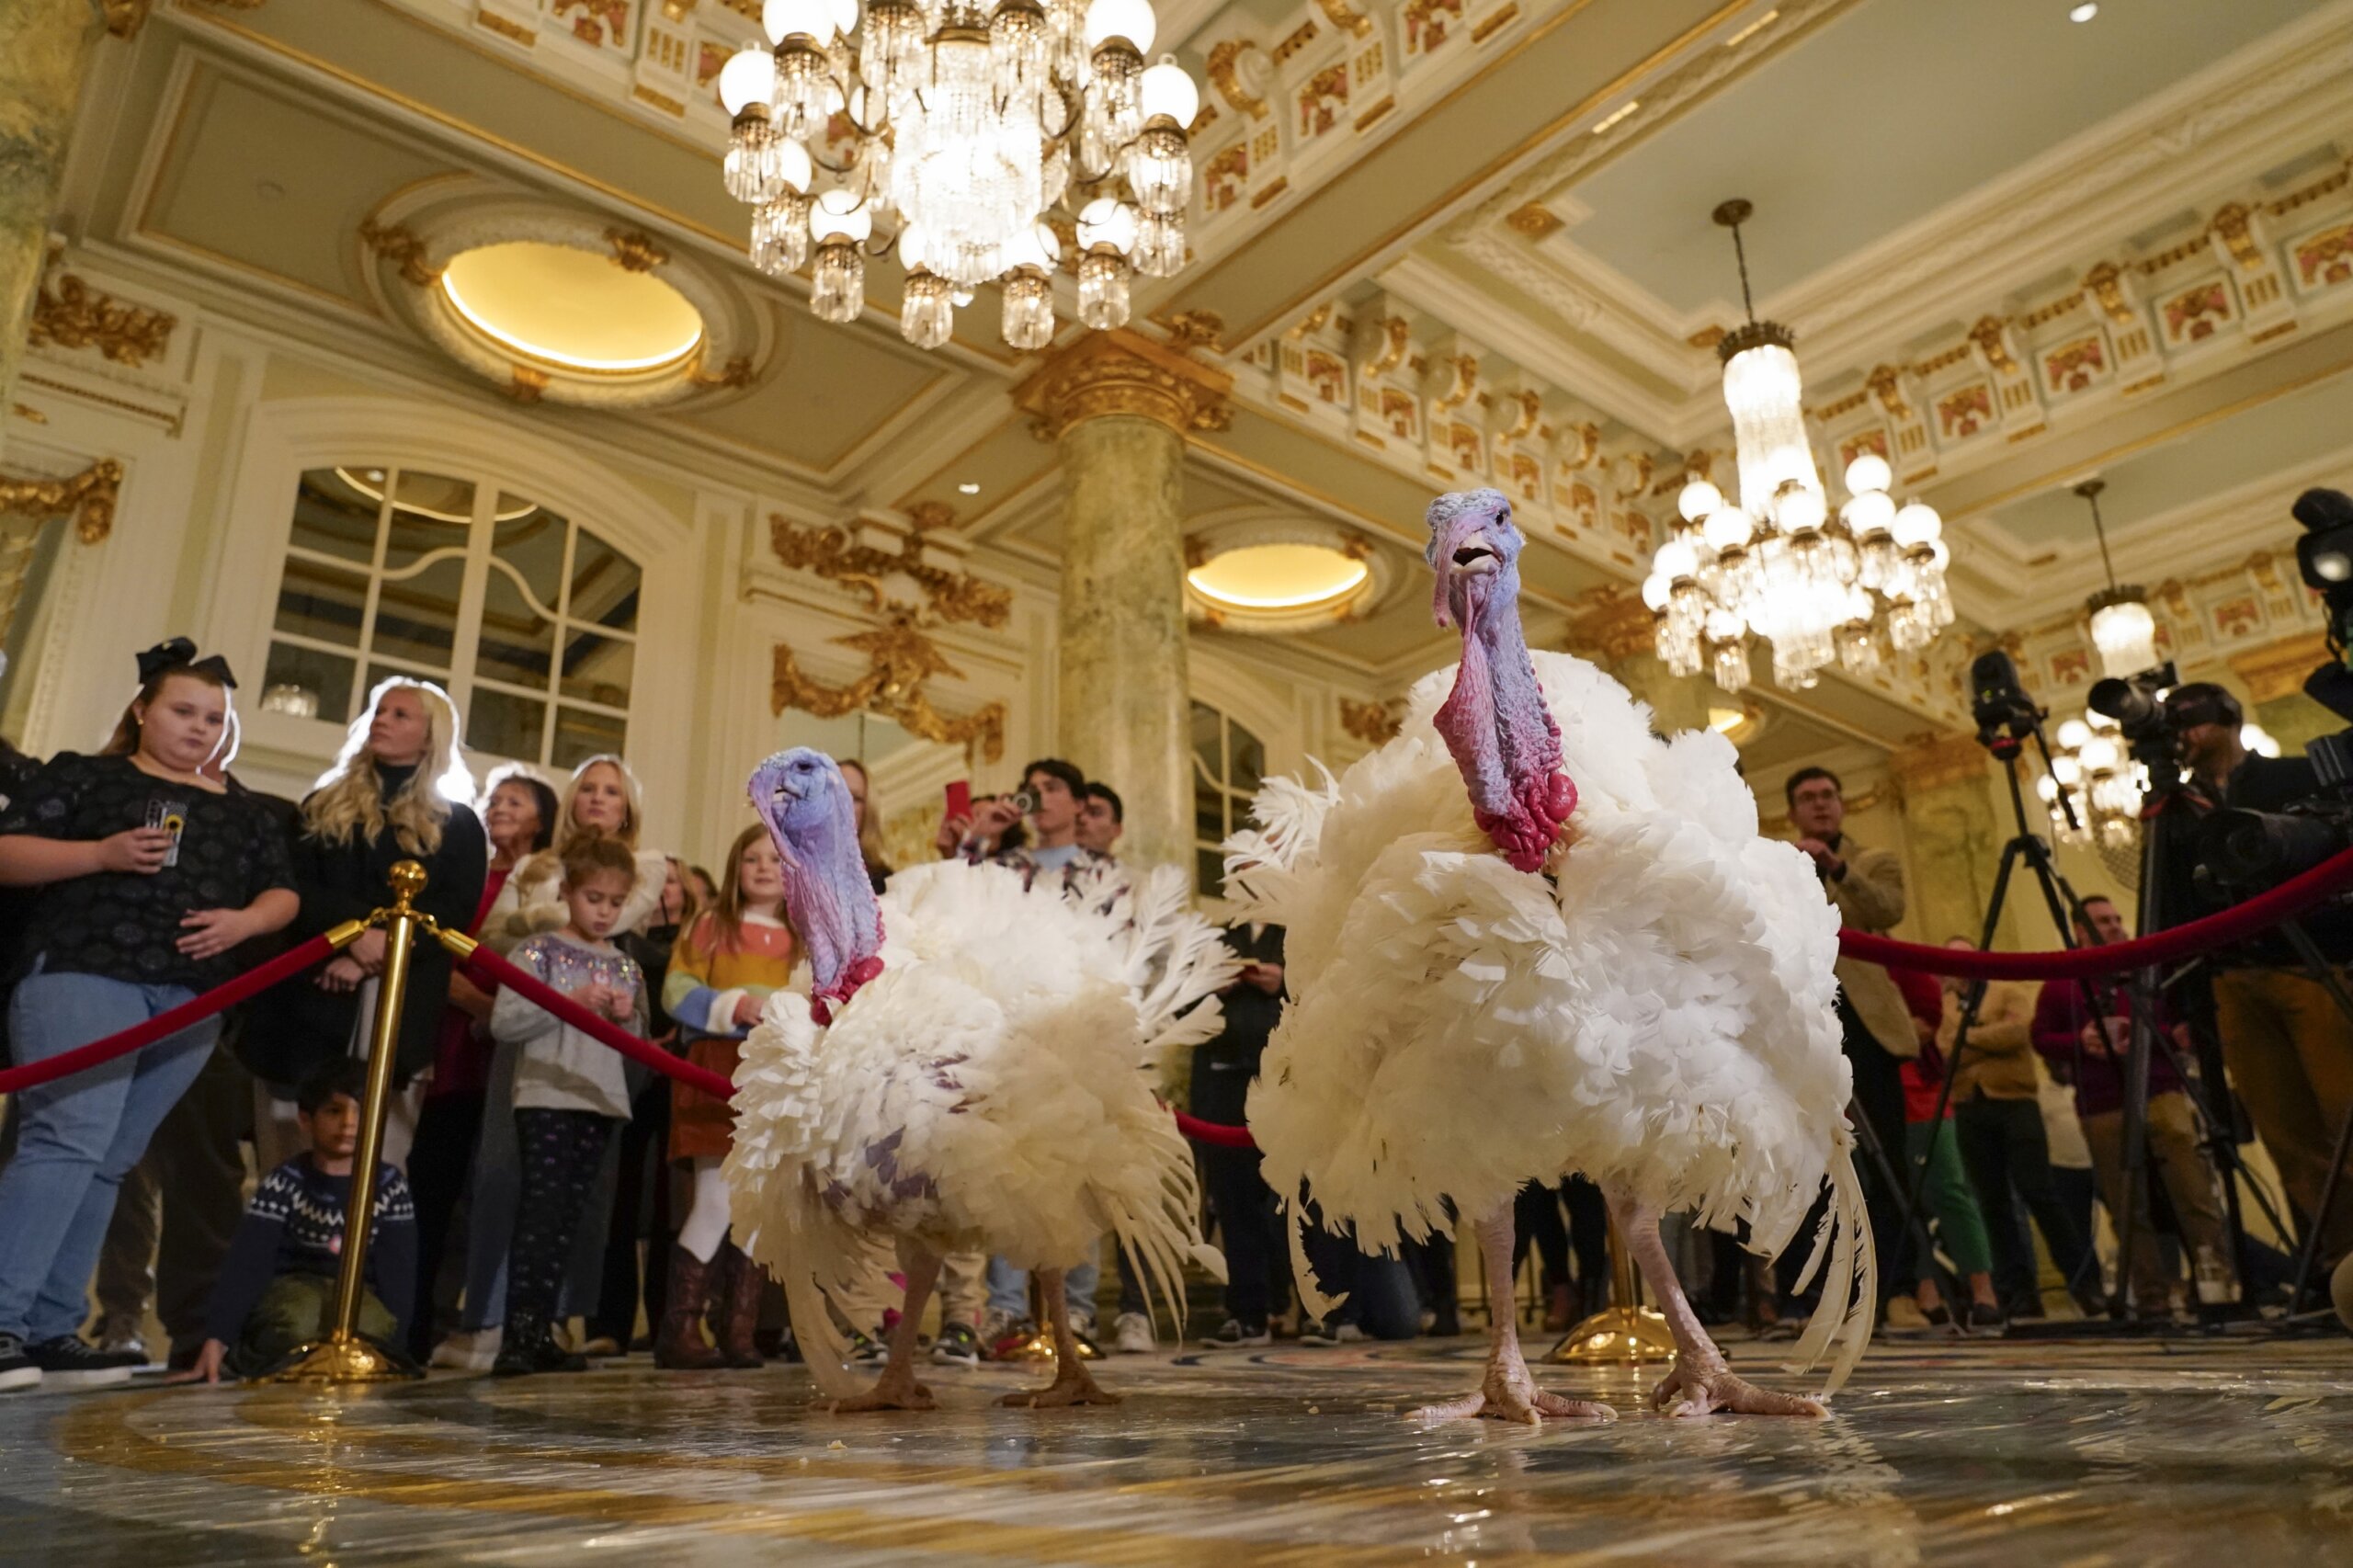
x=897 y=1387
x=1700 y=1383
x=1508 y=1393
x=1070 y=1385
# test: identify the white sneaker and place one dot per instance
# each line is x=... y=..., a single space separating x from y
x=1131 y=1334
x=472 y=1351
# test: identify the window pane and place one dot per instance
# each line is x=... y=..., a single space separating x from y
x=1249 y=761
x=430 y=512
x=597 y=669
x=580 y=735
x=604 y=584
x=510 y=725
x=416 y=618
x=318 y=601
x=324 y=679
x=1207 y=722
x=334 y=511
x=529 y=537
x=1209 y=813
x=518 y=642
x=1209 y=872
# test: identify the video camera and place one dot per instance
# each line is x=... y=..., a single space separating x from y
x=2006 y=715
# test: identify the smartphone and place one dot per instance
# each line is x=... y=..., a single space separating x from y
x=959 y=799
x=172 y=817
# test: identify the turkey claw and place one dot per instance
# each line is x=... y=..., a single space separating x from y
x=1506 y=1398
x=1060 y=1394
x=885 y=1395
x=1691 y=1392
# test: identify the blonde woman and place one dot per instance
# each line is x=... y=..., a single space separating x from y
x=383 y=801
x=603 y=798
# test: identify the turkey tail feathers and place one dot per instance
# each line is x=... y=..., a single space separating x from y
x=1850 y=1285
x=1302 y=1273
x=1178 y=962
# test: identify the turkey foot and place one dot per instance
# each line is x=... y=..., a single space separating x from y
x=1510 y=1394
x=897 y=1390
x=1072 y=1384
x=1694 y=1388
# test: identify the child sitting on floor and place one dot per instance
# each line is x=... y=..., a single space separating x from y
x=569 y=1092
x=277 y=1283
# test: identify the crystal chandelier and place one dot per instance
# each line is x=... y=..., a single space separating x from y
x=955 y=126
x=2091 y=767
x=2122 y=629
x=1778 y=563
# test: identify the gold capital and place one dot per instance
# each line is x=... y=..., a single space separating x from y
x=2277 y=669
x=1615 y=625
x=1932 y=761
x=1123 y=372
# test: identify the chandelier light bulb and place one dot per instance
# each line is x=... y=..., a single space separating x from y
x=2097 y=755
x=837 y=291
x=1129 y=20
x=1655 y=591
x=927 y=309
x=1106 y=221
x=1728 y=527
x=1676 y=560
x=1697 y=499
x=1103 y=290
x=845 y=16
x=1800 y=509
x=1869 y=512
x=1867 y=473
x=782 y=19
x=840 y=215
x=1168 y=90
x=1028 y=314
x=788 y=162
x=2125 y=634
x=2073 y=733
x=1916 y=525
x=747 y=79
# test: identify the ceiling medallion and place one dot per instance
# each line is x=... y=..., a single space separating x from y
x=1278 y=574
x=958 y=128
x=1819 y=586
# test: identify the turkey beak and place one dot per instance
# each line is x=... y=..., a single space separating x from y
x=1465 y=550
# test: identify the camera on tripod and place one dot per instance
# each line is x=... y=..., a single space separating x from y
x=2137 y=703
x=2006 y=715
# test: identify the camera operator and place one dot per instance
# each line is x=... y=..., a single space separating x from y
x=2289 y=1050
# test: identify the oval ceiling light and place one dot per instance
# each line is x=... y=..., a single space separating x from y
x=573 y=309
x=1278 y=576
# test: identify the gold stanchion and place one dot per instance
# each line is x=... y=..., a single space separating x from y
x=342 y=1356
x=1625 y=1333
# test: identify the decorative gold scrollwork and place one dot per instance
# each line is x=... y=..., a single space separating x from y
x=900 y=660
x=74 y=315
x=88 y=496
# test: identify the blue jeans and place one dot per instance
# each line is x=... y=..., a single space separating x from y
x=1009 y=1288
x=79 y=1136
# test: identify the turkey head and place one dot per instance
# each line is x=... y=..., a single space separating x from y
x=1494 y=722
x=800 y=795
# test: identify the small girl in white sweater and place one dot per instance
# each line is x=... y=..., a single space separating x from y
x=569 y=1092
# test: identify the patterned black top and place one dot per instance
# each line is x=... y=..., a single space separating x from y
x=294 y=1225
x=122 y=924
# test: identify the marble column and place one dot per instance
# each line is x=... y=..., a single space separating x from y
x=45 y=47
x=1118 y=405
x=1617 y=632
x=1956 y=815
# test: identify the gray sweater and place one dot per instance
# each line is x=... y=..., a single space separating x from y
x=559 y=1067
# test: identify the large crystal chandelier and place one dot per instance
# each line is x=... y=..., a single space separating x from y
x=2123 y=631
x=2091 y=767
x=1778 y=563
x=954 y=128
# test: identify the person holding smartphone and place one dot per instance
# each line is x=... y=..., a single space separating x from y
x=146 y=872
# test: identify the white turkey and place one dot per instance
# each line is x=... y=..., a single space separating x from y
x=967 y=1064
x=1615 y=976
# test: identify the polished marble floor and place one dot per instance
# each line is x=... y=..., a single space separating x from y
x=2185 y=1451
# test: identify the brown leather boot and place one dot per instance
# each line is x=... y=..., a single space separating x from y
x=740 y=1308
x=679 y=1346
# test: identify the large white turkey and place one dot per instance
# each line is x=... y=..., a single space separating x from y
x=1618 y=977
x=967 y=1064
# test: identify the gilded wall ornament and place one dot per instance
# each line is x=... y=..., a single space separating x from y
x=89 y=497
x=635 y=250
x=900 y=659
x=1612 y=624
x=834 y=554
x=1122 y=372
x=1374 y=723
x=397 y=244
x=74 y=315
x=1932 y=761
x=124 y=18
x=1197 y=329
x=1534 y=218
x=736 y=372
x=1341 y=15
x=1226 y=64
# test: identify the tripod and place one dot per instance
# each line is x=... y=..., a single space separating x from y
x=2059 y=899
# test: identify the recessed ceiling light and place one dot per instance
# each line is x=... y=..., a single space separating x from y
x=968 y=488
x=2084 y=12
x=1278 y=576
x=571 y=308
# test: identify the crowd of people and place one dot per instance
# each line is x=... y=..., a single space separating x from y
x=532 y=1177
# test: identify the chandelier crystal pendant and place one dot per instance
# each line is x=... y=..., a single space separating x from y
x=1821 y=587
x=953 y=129
x=2091 y=766
x=2123 y=629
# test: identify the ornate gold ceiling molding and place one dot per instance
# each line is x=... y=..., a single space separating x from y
x=635 y=250
x=1933 y=761
x=2277 y=669
x=1374 y=723
x=89 y=497
x=1225 y=66
x=397 y=245
x=74 y=316
x=835 y=555
x=1613 y=624
x=1123 y=372
x=900 y=660
x=1341 y=15
x=124 y=18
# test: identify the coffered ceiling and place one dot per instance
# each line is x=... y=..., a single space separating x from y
x=1446 y=242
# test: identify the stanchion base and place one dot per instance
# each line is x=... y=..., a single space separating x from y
x=340 y=1360
x=1040 y=1346
x=1616 y=1336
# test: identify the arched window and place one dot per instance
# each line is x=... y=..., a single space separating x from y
x=1228 y=763
x=527 y=617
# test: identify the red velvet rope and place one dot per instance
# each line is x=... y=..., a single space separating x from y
x=1222 y=1134
x=196 y=1009
x=493 y=971
x=2233 y=924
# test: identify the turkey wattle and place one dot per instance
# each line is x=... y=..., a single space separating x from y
x=966 y=1064
x=1656 y=1009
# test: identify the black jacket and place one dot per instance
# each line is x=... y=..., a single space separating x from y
x=297 y=1026
x=1223 y=1067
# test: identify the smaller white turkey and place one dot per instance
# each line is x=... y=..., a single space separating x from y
x=1500 y=976
x=967 y=1064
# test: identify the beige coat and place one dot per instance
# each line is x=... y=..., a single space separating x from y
x=1870 y=898
x=531 y=901
x=1999 y=1062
